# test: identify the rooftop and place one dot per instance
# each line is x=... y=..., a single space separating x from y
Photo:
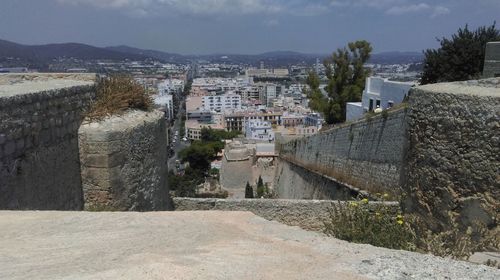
x=18 y=84
x=198 y=245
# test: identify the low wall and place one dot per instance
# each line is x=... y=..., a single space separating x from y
x=307 y=214
x=124 y=162
x=39 y=119
x=367 y=153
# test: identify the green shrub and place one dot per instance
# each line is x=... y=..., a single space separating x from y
x=379 y=226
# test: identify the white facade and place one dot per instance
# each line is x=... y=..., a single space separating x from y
x=170 y=86
x=166 y=103
x=259 y=130
x=384 y=93
x=379 y=92
x=221 y=103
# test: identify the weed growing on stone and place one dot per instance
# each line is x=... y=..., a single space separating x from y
x=378 y=225
x=117 y=94
x=359 y=222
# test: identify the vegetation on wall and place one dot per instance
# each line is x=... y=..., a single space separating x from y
x=459 y=58
x=380 y=226
x=117 y=94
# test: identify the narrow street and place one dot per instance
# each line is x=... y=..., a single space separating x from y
x=179 y=144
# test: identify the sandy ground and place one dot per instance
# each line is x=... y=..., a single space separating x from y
x=198 y=245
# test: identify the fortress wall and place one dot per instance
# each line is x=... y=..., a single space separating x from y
x=307 y=214
x=452 y=164
x=124 y=162
x=39 y=119
x=367 y=153
x=442 y=151
x=293 y=181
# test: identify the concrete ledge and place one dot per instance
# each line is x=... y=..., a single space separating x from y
x=307 y=214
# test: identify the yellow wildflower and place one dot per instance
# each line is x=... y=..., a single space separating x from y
x=400 y=222
x=386 y=195
x=399 y=217
x=364 y=200
x=354 y=204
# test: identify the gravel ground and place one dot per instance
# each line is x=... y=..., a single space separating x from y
x=198 y=245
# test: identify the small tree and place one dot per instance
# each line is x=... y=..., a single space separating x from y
x=261 y=190
x=248 y=191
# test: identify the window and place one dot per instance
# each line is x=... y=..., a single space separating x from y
x=370 y=108
x=390 y=104
x=378 y=103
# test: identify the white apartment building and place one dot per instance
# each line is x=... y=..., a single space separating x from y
x=259 y=130
x=170 y=86
x=166 y=104
x=221 y=103
x=379 y=92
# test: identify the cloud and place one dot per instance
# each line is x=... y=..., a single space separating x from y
x=393 y=7
x=401 y=10
x=192 y=7
x=440 y=10
x=271 y=22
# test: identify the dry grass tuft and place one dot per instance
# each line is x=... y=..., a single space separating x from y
x=117 y=94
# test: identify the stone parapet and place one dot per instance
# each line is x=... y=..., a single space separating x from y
x=39 y=119
x=124 y=162
x=307 y=214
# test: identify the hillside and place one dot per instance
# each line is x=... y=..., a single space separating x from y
x=44 y=53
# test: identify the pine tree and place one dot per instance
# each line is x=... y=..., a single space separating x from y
x=248 y=191
x=346 y=78
x=459 y=58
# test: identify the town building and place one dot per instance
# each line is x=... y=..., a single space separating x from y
x=221 y=103
x=193 y=129
x=314 y=119
x=259 y=130
x=166 y=104
x=236 y=121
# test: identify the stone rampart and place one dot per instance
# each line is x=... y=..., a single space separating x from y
x=452 y=164
x=124 y=162
x=367 y=153
x=39 y=119
x=307 y=214
x=442 y=152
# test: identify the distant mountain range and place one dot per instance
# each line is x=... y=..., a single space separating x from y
x=42 y=54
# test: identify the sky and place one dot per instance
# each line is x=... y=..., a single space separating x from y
x=242 y=26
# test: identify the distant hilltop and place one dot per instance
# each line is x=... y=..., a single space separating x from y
x=40 y=54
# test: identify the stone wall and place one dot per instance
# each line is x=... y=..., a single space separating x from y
x=39 y=119
x=307 y=214
x=452 y=165
x=442 y=151
x=124 y=162
x=367 y=154
x=492 y=60
x=293 y=181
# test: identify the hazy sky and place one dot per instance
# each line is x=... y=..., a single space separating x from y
x=242 y=26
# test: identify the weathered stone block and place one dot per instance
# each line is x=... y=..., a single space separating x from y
x=123 y=162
